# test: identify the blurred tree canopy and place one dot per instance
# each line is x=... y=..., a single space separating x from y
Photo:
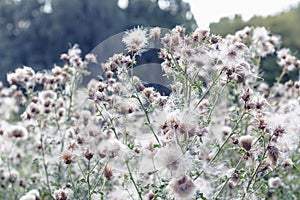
x=285 y=24
x=36 y=32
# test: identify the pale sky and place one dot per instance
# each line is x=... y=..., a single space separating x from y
x=206 y=11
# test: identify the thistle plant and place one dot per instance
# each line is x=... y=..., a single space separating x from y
x=222 y=132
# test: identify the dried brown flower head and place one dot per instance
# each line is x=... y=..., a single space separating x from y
x=273 y=154
x=88 y=155
x=279 y=131
x=61 y=194
x=108 y=173
x=67 y=157
x=246 y=142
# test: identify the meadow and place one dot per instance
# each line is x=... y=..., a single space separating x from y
x=222 y=132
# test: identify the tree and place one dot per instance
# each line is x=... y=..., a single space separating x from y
x=36 y=32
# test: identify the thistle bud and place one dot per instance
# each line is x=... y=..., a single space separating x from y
x=246 y=95
x=88 y=155
x=108 y=173
x=273 y=154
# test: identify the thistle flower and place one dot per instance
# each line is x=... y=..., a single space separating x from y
x=67 y=157
x=273 y=154
x=31 y=195
x=74 y=51
x=246 y=142
x=135 y=40
x=287 y=164
x=18 y=132
x=64 y=57
x=91 y=58
x=56 y=70
x=279 y=131
x=61 y=194
x=226 y=130
x=23 y=75
x=286 y=60
x=172 y=159
x=200 y=34
x=154 y=33
x=274 y=182
x=261 y=122
x=263 y=42
x=108 y=173
x=231 y=184
x=247 y=94
x=11 y=175
x=183 y=187
x=88 y=154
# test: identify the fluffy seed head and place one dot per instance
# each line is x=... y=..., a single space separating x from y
x=183 y=187
x=246 y=142
x=287 y=164
x=67 y=157
x=274 y=182
x=135 y=40
x=61 y=194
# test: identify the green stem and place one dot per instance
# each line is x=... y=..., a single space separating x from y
x=256 y=169
x=133 y=181
x=210 y=87
x=281 y=76
x=45 y=167
x=216 y=197
x=147 y=117
x=216 y=101
x=88 y=180
x=71 y=179
x=71 y=96
x=224 y=143
x=110 y=120
x=229 y=136
x=97 y=180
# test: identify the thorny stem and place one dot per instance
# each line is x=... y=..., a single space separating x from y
x=256 y=169
x=147 y=117
x=88 y=180
x=224 y=143
x=133 y=181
